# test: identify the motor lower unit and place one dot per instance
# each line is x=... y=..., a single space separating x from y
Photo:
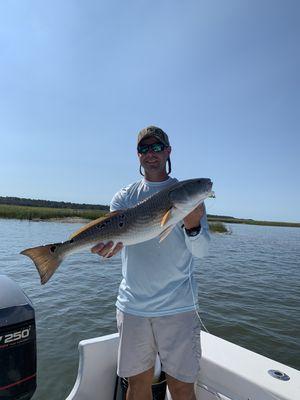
x=17 y=343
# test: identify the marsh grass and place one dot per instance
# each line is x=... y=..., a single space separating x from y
x=231 y=220
x=44 y=213
x=218 y=227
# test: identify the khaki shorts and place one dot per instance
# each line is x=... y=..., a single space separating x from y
x=175 y=337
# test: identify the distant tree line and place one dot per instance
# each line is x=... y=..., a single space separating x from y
x=220 y=216
x=17 y=201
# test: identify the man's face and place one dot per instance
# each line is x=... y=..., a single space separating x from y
x=154 y=161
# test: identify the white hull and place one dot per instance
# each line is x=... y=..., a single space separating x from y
x=227 y=372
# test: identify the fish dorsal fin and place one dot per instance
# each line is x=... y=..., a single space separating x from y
x=93 y=223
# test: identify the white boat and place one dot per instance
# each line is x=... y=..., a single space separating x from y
x=228 y=372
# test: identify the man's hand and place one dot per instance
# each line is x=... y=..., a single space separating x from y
x=107 y=250
x=193 y=219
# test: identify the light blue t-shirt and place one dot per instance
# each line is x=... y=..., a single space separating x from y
x=158 y=277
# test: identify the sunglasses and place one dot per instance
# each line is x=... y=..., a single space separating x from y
x=155 y=147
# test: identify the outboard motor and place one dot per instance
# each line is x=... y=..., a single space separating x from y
x=17 y=343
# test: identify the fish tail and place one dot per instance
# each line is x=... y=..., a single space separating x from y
x=46 y=259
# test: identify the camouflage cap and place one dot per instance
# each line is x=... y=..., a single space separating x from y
x=153 y=131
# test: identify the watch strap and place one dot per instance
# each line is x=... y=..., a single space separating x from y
x=193 y=231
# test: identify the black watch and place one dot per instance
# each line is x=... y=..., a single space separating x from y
x=193 y=231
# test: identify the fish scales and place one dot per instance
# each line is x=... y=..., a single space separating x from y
x=155 y=216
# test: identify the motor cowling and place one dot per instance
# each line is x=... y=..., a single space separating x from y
x=17 y=343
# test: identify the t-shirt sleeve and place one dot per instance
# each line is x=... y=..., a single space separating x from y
x=119 y=202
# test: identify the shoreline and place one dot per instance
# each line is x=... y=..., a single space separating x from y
x=69 y=220
x=215 y=225
x=214 y=221
x=255 y=222
x=70 y=215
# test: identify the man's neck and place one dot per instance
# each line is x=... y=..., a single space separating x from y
x=156 y=177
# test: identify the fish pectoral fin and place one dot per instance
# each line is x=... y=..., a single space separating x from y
x=165 y=233
x=95 y=222
x=166 y=217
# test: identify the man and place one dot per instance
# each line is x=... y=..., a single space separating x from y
x=156 y=302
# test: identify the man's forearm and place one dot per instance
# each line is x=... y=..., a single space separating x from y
x=193 y=219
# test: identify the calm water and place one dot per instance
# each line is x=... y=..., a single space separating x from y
x=248 y=293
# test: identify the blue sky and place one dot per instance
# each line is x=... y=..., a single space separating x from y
x=79 y=79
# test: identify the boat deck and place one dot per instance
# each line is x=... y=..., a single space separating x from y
x=227 y=372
